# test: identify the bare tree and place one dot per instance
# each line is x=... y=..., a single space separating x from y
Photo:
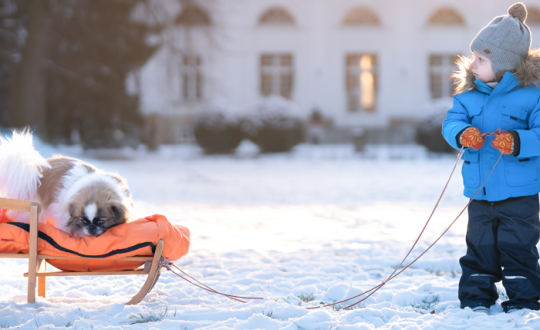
x=29 y=102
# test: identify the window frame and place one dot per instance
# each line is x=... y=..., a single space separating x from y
x=433 y=20
x=353 y=84
x=439 y=74
x=347 y=19
x=276 y=74
x=192 y=86
x=193 y=15
x=288 y=21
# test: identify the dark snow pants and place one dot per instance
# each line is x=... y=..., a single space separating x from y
x=501 y=245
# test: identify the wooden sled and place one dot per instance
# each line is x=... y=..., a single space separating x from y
x=37 y=262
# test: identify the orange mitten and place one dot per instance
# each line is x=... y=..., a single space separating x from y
x=504 y=142
x=472 y=137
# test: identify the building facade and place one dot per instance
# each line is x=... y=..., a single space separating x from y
x=361 y=64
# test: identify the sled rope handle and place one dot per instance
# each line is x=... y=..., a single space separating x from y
x=394 y=274
x=167 y=264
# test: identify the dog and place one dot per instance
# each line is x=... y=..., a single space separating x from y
x=75 y=196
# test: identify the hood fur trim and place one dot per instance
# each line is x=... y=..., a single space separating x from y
x=463 y=78
x=527 y=72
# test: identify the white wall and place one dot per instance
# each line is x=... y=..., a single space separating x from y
x=319 y=43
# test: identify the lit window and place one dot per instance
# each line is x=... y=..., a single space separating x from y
x=361 y=16
x=192 y=15
x=361 y=71
x=440 y=69
x=191 y=78
x=276 y=16
x=276 y=74
x=533 y=16
x=446 y=16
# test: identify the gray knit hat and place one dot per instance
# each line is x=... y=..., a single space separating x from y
x=506 y=40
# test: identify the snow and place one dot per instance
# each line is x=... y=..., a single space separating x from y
x=321 y=223
x=218 y=116
x=275 y=111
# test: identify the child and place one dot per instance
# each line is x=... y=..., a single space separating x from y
x=499 y=89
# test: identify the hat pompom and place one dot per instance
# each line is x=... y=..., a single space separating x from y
x=518 y=11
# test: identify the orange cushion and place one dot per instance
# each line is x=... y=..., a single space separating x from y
x=136 y=238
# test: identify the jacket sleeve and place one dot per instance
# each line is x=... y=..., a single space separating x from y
x=530 y=139
x=457 y=120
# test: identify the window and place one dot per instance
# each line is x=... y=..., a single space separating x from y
x=277 y=74
x=192 y=15
x=440 y=69
x=533 y=16
x=361 y=72
x=191 y=78
x=446 y=16
x=276 y=16
x=361 y=16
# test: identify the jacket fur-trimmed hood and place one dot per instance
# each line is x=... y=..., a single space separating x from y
x=527 y=72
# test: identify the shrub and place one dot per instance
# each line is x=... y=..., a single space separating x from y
x=217 y=131
x=428 y=130
x=274 y=125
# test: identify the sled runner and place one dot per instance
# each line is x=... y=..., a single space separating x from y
x=121 y=250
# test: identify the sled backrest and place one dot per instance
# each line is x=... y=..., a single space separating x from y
x=17 y=205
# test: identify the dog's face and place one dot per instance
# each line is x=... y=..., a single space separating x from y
x=97 y=208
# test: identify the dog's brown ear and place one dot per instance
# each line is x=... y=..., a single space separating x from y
x=71 y=210
x=119 y=212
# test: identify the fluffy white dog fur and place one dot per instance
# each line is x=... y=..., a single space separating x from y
x=75 y=196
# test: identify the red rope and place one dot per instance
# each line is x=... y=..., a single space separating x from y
x=166 y=263
x=210 y=287
x=394 y=274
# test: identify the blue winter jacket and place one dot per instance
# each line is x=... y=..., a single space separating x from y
x=511 y=106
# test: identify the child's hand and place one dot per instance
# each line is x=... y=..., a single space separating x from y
x=472 y=137
x=504 y=142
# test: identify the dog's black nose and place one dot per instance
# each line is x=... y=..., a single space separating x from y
x=94 y=230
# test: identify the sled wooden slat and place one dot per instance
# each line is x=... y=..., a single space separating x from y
x=37 y=263
x=42 y=281
x=42 y=287
x=122 y=272
x=42 y=256
x=152 y=276
x=14 y=256
x=17 y=205
x=110 y=259
x=33 y=264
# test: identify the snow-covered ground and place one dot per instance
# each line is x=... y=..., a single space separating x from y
x=316 y=225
